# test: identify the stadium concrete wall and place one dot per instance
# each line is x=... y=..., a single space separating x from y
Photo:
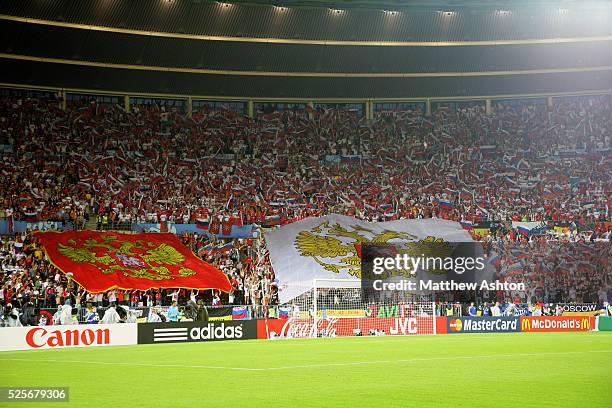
x=50 y=337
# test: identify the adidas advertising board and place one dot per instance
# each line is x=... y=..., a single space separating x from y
x=149 y=333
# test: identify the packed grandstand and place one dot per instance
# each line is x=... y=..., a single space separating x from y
x=96 y=165
x=306 y=203
x=97 y=141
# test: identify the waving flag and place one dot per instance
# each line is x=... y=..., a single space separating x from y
x=202 y=223
x=30 y=216
x=467 y=225
x=271 y=220
x=528 y=228
x=488 y=149
x=329 y=247
x=240 y=313
x=517 y=253
x=283 y=313
x=447 y=205
x=100 y=261
x=205 y=249
x=495 y=260
x=514 y=269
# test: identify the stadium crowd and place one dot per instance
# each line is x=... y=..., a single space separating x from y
x=151 y=164
x=524 y=162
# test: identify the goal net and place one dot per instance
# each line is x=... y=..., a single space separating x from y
x=335 y=308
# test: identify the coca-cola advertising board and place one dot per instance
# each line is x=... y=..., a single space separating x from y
x=343 y=327
x=51 y=337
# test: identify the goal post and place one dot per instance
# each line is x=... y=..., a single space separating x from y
x=334 y=299
x=335 y=308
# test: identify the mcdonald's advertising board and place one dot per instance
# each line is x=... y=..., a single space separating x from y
x=557 y=323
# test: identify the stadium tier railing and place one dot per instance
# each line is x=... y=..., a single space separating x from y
x=330 y=315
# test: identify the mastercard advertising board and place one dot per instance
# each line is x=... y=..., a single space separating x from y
x=483 y=324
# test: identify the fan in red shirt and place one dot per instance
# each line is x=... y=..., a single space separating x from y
x=134 y=299
x=120 y=297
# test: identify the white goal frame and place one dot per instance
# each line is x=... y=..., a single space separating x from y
x=421 y=310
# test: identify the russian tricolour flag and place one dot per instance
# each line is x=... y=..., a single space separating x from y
x=283 y=313
x=528 y=228
x=447 y=205
x=205 y=249
x=273 y=220
x=223 y=248
x=30 y=217
x=240 y=313
x=495 y=261
x=467 y=225
x=488 y=149
x=385 y=207
x=202 y=223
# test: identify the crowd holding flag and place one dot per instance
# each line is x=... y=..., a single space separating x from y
x=99 y=261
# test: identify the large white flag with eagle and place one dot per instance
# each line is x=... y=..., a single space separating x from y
x=329 y=247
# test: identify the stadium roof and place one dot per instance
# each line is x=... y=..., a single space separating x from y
x=425 y=4
x=243 y=22
x=259 y=50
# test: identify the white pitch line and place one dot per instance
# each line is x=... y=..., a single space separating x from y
x=135 y=364
x=320 y=365
x=308 y=341
x=410 y=360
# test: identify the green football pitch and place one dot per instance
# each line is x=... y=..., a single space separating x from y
x=497 y=370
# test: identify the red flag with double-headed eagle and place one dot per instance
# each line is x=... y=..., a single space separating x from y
x=100 y=261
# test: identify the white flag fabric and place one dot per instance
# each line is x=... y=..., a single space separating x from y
x=325 y=247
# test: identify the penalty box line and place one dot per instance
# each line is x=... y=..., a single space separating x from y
x=319 y=365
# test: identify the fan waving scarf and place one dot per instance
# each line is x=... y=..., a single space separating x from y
x=100 y=261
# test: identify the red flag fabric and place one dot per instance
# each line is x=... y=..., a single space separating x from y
x=226 y=227
x=214 y=227
x=100 y=261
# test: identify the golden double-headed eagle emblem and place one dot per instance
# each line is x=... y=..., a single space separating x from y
x=134 y=259
x=337 y=248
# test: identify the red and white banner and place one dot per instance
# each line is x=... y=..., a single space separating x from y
x=557 y=323
x=45 y=337
x=343 y=327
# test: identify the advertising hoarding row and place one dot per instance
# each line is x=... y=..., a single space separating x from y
x=483 y=324
x=157 y=333
x=557 y=323
x=52 y=337
x=519 y=324
x=581 y=309
x=343 y=327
